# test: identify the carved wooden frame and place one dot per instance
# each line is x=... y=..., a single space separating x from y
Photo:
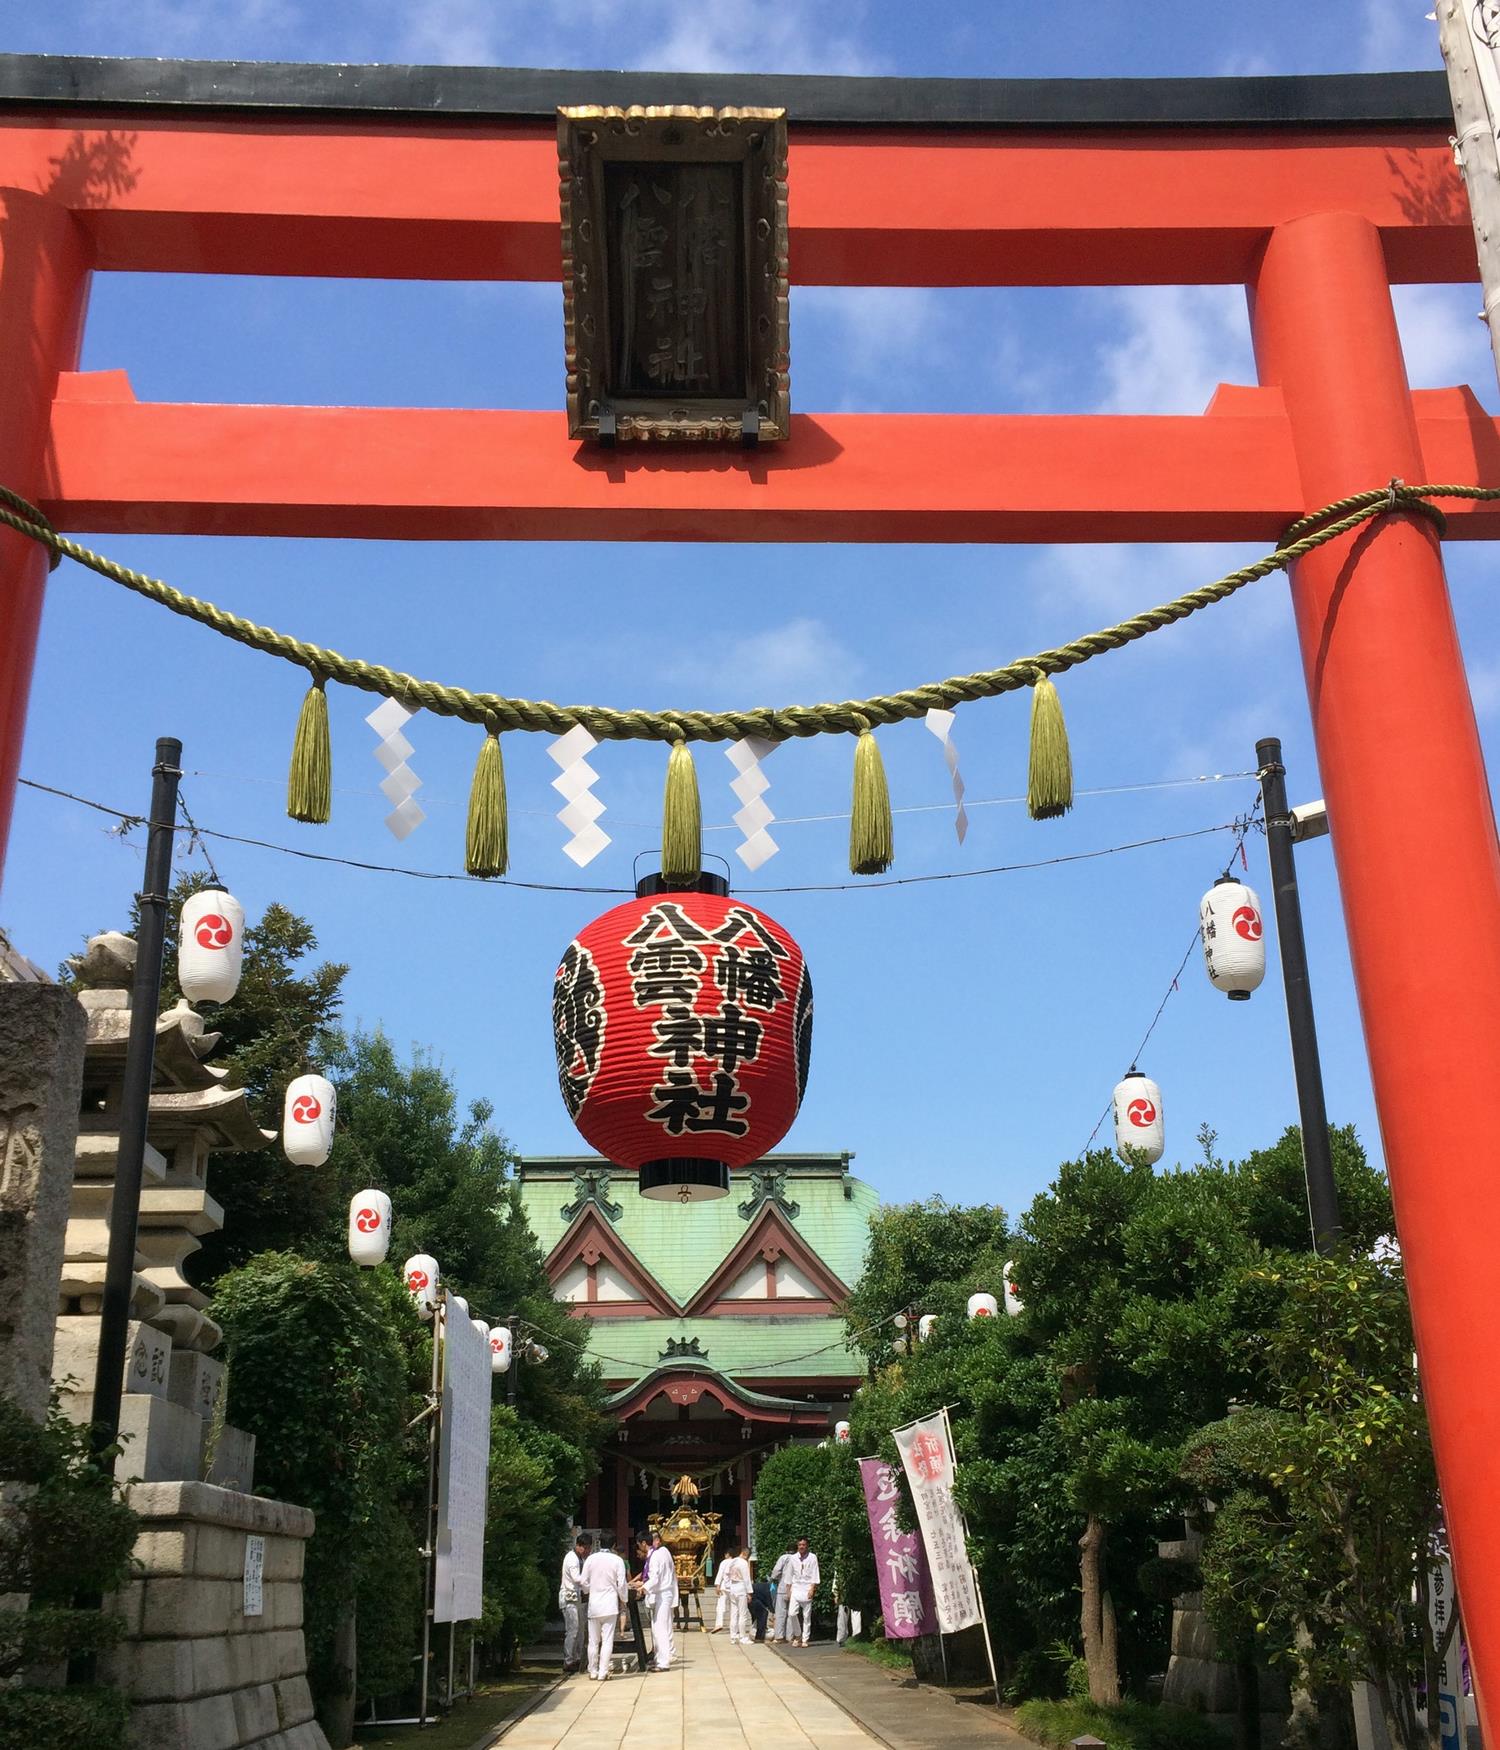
x=590 y=136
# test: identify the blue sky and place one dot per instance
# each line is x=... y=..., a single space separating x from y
x=969 y=1031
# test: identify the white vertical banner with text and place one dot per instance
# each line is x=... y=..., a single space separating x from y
x=463 y=1471
x=927 y=1455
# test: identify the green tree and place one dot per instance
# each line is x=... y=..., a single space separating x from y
x=1328 y=1502
x=913 y=1247
x=63 y=1531
x=319 y=1371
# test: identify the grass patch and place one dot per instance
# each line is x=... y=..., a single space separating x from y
x=893 y=1655
x=492 y=1702
x=1131 y=1725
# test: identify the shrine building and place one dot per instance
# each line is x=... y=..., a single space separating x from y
x=716 y=1324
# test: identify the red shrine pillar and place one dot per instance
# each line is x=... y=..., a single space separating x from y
x=1413 y=833
x=44 y=278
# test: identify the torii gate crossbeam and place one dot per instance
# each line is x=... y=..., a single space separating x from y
x=1317 y=194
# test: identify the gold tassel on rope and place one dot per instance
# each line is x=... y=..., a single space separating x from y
x=871 y=836
x=681 y=818
x=1049 y=782
x=487 y=845
x=309 y=782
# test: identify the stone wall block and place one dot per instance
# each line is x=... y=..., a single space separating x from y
x=163 y=1442
x=232 y=1463
x=255 y=1658
x=294 y=1702
x=169 y=1551
x=221 y=1552
x=284 y=1558
x=188 y=1608
x=213 y=1663
x=129 y=1603
x=283 y=1604
x=255 y=1713
x=205 y=1723
x=41 y=1084
x=150 y=1670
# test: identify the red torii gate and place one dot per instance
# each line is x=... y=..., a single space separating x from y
x=1316 y=194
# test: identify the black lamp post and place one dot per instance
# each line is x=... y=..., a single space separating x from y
x=1283 y=829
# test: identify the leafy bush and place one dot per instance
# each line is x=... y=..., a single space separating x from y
x=319 y=1372
x=63 y=1531
x=1126 y=1725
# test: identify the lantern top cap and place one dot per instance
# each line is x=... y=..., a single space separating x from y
x=648 y=886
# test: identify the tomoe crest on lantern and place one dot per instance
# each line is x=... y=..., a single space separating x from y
x=841 y=1433
x=369 y=1228
x=500 y=1341
x=307 y=1120
x=420 y=1273
x=1140 y=1131
x=683 y=1027
x=1013 y=1303
x=983 y=1306
x=210 y=946
x=1234 y=948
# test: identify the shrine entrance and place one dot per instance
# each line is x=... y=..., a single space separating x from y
x=1315 y=194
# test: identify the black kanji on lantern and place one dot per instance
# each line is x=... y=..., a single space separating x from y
x=682 y=1105
x=665 y=972
x=578 y=1022
x=752 y=977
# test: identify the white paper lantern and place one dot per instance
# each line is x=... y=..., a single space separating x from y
x=1139 y=1125
x=458 y=1304
x=499 y=1348
x=1013 y=1303
x=841 y=1433
x=369 y=1228
x=1234 y=946
x=307 y=1120
x=420 y=1273
x=983 y=1306
x=210 y=946
x=482 y=1328
x=926 y=1325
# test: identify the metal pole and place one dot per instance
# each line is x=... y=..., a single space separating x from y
x=515 y=1362
x=1317 y=1157
x=435 y=1399
x=1474 y=149
x=135 y=1099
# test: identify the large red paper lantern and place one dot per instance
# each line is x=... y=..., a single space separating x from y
x=683 y=1024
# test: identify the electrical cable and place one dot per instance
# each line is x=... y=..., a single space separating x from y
x=206 y=832
x=1242 y=828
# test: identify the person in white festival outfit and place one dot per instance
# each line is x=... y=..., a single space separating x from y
x=606 y=1582
x=801 y=1576
x=568 y=1597
x=660 y=1592
x=721 y=1608
x=783 y=1593
x=734 y=1578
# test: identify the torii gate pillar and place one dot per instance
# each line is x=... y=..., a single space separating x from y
x=44 y=278
x=1413 y=833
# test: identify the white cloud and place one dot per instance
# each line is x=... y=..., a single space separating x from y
x=752 y=36
x=802 y=657
x=1443 y=337
x=1176 y=345
x=1393 y=35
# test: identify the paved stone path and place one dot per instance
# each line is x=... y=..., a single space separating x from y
x=734 y=1698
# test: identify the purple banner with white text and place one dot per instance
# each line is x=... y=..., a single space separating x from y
x=906 y=1600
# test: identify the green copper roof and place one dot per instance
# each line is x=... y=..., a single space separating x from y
x=683 y=1244
x=760 y=1347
